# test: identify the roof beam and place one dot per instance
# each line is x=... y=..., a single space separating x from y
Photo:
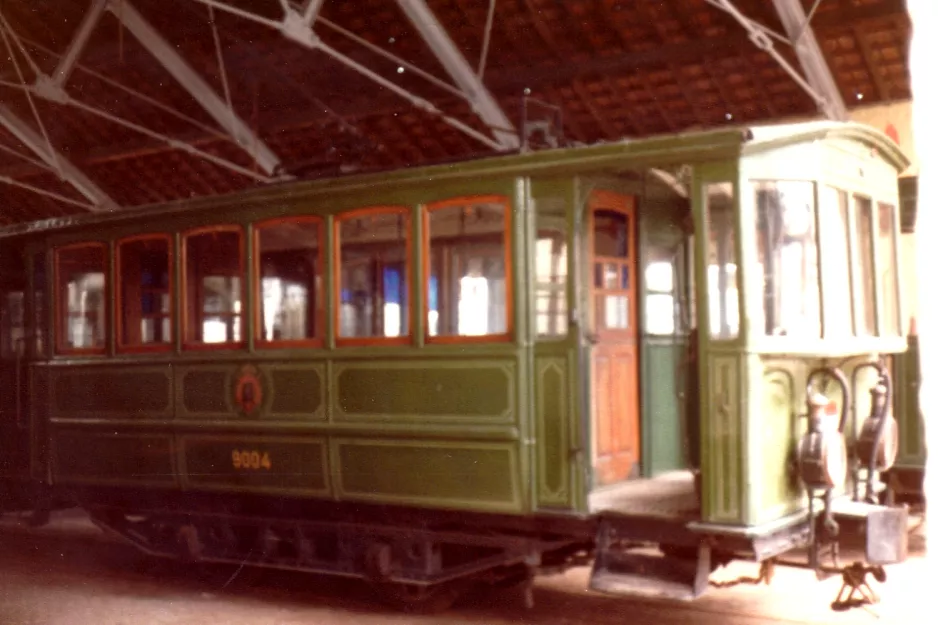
x=480 y=98
x=57 y=162
x=816 y=70
x=79 y=41
x=213 y=104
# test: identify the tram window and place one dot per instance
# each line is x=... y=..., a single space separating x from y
x=289 y=268
x=81 y=287
x=214 y=270
x=145 y=291
x=864 y=294
x=659 y=298
x=722 y=290
x=550 y=268
x=835 y=265
x=374 y=275
x=12 y=327
x=786 y=240
x=467 y=289
x=886 y=266
x=612 y=264
x=40 y=320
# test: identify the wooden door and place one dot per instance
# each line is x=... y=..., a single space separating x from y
x=613 y=293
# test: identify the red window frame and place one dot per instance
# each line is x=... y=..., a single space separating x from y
x=187 y=342
x=341 y=341
x=316 y=341
x=508 y=334
x=119 y=321
x=60 y=304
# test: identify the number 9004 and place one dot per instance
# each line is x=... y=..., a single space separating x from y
x=250 y=460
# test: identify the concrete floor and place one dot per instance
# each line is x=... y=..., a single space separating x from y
x=70 y=574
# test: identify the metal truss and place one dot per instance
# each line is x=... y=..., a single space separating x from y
x=798 y=26
x=56 y=162
x=51 y=87
x=819 y=82
x=187 y=77
x=297 y=25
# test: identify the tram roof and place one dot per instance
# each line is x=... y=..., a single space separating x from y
x=130 y=133
x=651 y=152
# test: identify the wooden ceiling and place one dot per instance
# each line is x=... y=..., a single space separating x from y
x=599 y=70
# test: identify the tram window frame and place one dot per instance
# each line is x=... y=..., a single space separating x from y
x=864 y=276
x=551 y=288
x=61 y=303
x=834 y=211
x=788 y=324
x=39 y=305
x=730 y=310
x=121 y=311
x=318 y=295
x=406 y=279
x=887 y=314
x=427 y=251
x=190 y=343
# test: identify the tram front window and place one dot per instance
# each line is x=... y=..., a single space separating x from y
x=788 y=259
x=721 y=254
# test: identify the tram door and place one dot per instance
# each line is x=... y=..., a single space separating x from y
x=614 y=374
x=14 y=432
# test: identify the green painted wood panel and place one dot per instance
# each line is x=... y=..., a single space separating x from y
x=104 y=458
x=114 y=391
x=205 y=390
x=776 y=428
x=440 y=390
x=553 y=408
x=255 y=463
x=662 y=410
x=474 y=476
x=907 y=410
x=722 y=467
x=297 y=391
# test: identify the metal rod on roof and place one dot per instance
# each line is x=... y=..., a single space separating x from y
x=69 y=60
x=807 y=22
x=175 y=143
x=396 y=59
x=254 y=17
x=66 y=99
x=58 y=163
x=413 y=99
x=311 y=11
x=483 y=56
x=221 y=66
x=133 y=92
x=58 y=196
x=52 y=154
x=191 y=81
x=720 y=4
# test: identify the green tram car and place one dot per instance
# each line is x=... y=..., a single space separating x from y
x=657 y=356
x=906 y=479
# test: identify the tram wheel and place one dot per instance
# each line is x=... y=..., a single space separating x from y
x=421 y=599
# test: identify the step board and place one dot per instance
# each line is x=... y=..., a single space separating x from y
x=646 y=572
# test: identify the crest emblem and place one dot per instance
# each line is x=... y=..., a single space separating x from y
x=248 y=391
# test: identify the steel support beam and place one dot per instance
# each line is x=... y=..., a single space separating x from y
x=79 y=40
x=480 y=98
x=816 y=70
x=100 y=201
x=311 y=11
x=213 y=104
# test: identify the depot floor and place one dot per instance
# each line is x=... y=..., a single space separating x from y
x=70 y=574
